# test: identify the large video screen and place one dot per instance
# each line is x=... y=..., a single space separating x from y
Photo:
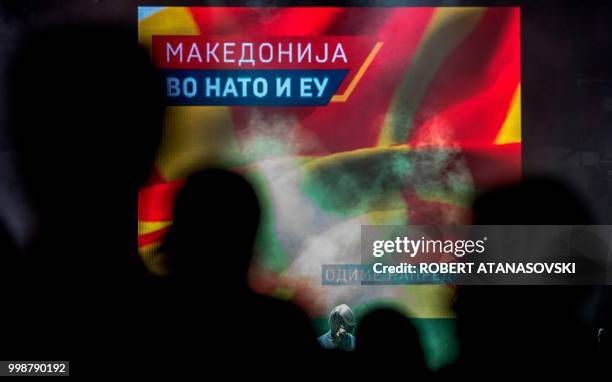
x=341 y=117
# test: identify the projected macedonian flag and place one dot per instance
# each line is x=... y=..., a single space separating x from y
x=340 y=117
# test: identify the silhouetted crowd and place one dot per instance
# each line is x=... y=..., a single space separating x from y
x=86 y=115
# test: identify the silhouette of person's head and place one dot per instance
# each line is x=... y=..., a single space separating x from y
x=216 y=218
x=85 y=118
x=208 y=252
x=86 y=114
x=386 y=333
x=532 y=324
